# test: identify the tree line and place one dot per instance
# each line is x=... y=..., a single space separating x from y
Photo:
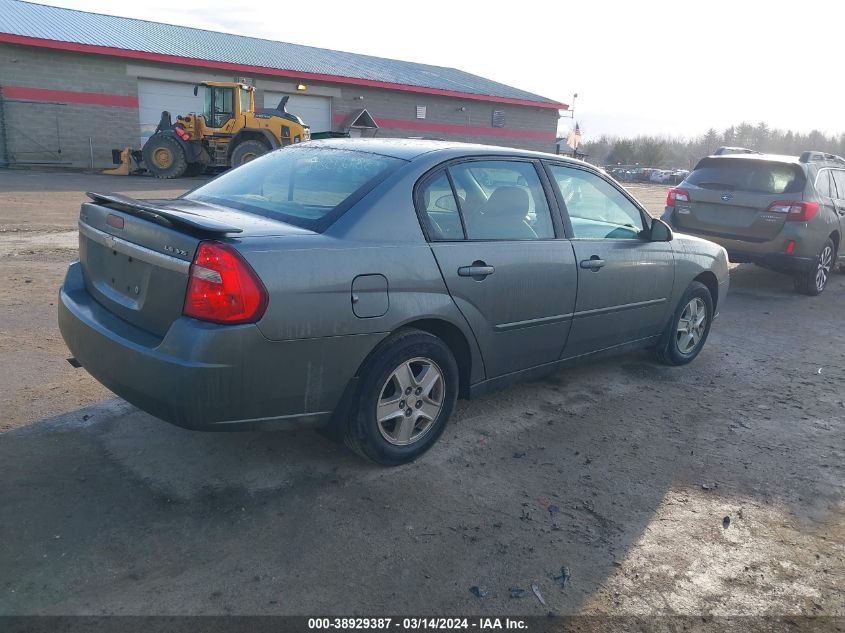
x=684 y=153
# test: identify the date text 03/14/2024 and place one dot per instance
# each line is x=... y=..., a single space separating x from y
x=416 y=624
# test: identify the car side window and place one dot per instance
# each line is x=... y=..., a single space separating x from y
x=839 y=181
x=438 y=203
x=596 y=208
x=502 y=200
x=823 y=185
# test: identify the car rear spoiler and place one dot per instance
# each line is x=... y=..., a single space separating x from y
x=162 y=214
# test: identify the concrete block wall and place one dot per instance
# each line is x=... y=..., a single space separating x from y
x=394 y=105
x=59 y=129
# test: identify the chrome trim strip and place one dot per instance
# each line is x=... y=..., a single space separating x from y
x=141 y=253
x=515 y=325
x=293 y=420
x=620 y=308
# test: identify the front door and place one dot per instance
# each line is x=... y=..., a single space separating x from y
x=624 y=280
x=492 y=234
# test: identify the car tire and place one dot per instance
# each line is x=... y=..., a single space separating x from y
x=408 y=388
x=164 y=156
x=813 y=281
x=688 y=328
x=247 y=151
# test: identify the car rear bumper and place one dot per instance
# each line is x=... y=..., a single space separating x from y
x=776 y=261
x=210 y=377
x=769 y=254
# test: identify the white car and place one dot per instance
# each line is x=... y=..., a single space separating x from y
x=660 y=175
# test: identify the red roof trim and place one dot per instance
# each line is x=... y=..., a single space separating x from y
x=190 y=61
x=67 y=96
x=427 y=126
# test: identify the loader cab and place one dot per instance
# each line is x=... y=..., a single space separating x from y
x=224 y=102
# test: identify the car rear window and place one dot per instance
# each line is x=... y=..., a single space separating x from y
x=307 y=186
x=738 y=174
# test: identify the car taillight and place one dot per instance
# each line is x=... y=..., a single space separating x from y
x=223 y=287
x=676 y=195
x=796 y=211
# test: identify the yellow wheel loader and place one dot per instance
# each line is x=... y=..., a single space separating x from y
x=228 y=133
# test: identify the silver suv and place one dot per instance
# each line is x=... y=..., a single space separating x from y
x=785 y=213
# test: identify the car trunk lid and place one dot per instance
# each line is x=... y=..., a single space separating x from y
x=136 y=255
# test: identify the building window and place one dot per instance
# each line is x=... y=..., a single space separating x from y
x=498 y=118
x=420 y=112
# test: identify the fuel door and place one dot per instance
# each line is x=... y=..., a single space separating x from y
x=369 y=296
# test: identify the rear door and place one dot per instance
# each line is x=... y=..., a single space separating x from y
x=503 y=259
x=838 y=184
x=827 y=193
x=730 y=197
x=624 y=280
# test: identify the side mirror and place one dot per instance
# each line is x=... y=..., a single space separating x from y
x=660 y=231
x=196 y=90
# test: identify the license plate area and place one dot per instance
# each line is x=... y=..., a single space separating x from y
x=123 y=278
x=125 y=274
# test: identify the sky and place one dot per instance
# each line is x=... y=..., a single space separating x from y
x=671 y=68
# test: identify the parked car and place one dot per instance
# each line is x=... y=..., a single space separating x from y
x=661 y=176
x=677 y=176
x=620 y=175
x=365 y=284
x=784 y=213
x=643 y=174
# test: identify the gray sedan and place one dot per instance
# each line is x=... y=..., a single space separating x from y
x=363 y=285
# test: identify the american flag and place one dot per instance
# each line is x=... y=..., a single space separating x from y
x=574 y=139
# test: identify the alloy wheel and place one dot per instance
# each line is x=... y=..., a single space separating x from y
x=691 y=325
x=410 y=401
x=824 y=267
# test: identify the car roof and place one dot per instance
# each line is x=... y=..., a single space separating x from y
x=779 y=158
x=409 y=149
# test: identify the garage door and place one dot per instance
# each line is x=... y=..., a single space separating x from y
x=315 y=111
x=154 y=96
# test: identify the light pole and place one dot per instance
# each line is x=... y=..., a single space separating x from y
x=572 y=115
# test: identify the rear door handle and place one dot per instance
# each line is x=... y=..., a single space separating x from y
x=476 y=271
x=594 y=263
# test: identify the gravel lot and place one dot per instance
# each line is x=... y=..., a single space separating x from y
x=713 y=489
